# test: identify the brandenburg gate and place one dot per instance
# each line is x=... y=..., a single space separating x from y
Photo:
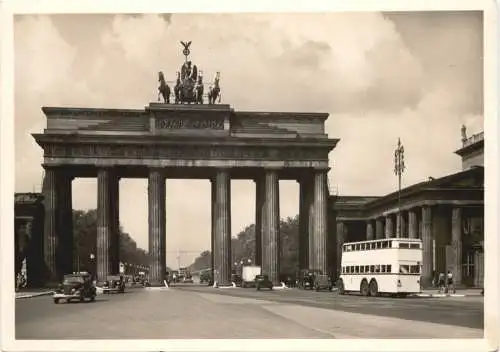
x=185 y=141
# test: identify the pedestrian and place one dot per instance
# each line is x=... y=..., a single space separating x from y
x=441 y=282
x=450 y=287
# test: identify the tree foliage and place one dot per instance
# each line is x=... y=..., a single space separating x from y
x=243 y=247
x=85 y=241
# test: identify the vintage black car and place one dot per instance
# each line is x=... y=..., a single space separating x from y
x=76 y=286
x=236 y=279
x=262 y=281
x=322 y=282
x=306 y=278
x=114 y=284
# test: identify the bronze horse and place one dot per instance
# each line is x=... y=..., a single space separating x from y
x=177 y=88
x=163 y=88
x=198 y=90
x=214 y=91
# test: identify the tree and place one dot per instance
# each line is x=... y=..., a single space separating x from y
x=243 y=247
x=85 y=241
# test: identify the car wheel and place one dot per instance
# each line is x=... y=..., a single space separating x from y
x=56 y=300
x=363 y=289
x=373 y=288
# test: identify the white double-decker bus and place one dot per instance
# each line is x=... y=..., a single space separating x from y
x=391 y=265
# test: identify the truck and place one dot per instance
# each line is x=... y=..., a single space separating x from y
x=248 y=274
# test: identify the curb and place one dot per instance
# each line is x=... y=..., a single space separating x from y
x=34 y=295
x=441 y=295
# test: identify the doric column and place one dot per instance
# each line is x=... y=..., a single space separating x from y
x=260 y=195
x=156 y=223
x=222 y=236
x=320 y=230
x=65 y=222
x=403 y=225
x=51 y=228
x=212 y=235
x=456 y=242
x=389 y=231
x=114 y=191
x=379 y=229
x=306 y=202
x=369 y=230
x=427 y=246
x=341 y=237
x=412 y=224
x=104 y=225
x=270 y=227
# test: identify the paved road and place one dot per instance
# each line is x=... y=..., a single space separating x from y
x=202 y=312
x=460 y=311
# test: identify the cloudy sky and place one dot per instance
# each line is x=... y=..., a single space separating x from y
x=417 y=76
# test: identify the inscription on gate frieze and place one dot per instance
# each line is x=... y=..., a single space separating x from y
x=184 y=152
x=189 y=123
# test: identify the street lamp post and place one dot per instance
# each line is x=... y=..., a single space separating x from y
x=399 y=169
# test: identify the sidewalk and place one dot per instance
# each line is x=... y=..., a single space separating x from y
x=459 y=293
x=29 y=293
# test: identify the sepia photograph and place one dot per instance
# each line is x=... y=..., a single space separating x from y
x=284 y=175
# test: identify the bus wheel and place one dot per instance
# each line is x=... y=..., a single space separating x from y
x=364 y=288
x=373 y=288
x=340 y=286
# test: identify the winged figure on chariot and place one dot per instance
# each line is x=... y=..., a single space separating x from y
x=189 y=86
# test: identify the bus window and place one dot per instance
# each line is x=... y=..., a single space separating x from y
x=404 y=269
x=378 y=244
x=372 y=245
x=362 y=269
x=389 y=268
x=414 y=245
x=391 y=244
x=356 y=269
x=384 y=244
x=356 y=247
x=404 y=245
x=377 y=268
x=372 y=268
x=367 y=268
x=414 y=269
x=383 y=268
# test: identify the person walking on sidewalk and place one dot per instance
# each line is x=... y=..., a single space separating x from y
x=450 y=287
x=441 y=282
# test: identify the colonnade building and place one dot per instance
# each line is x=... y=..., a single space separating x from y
x=446 y=213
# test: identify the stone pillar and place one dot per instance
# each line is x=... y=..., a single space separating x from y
x=412 y=225
x=456 y=243
x=104 y=225
x=222 y=235
x=479 y=267
x=320 y=230
x=403 y=225
x=114 y=193
x=341 y=234
x=51 y=234
x=389 y=231
x=306 y=202
x=369 y=230
x=212 y=248
x=427 y=246
x=270 y=227
x=260 y=195
x=65 y=223
x=156 y=223
x=379 y=229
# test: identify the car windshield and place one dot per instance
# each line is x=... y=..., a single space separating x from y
x=73 y=280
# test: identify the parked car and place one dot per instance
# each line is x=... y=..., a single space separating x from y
x=76 y=286
x=306 y=278
x=114 y=284
x=262 y=281
x=236 y=279
x=322 y=282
